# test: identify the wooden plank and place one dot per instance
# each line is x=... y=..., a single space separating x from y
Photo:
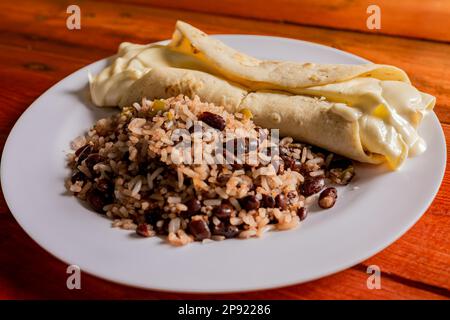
x=24 y=76
x=104 y=27
x=416 y=19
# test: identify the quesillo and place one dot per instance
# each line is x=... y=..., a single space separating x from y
x=369 y=113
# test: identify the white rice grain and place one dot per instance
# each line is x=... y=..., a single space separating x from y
x=174 y=225
x=173 y=200
x=153 y=176
x=212 y=202
x=247 y=234
x=317 y=173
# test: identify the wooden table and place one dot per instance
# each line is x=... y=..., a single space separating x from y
x=37 y=50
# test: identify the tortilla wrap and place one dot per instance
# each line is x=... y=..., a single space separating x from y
x=371 y=111
x=268 y=74
x=166 y=82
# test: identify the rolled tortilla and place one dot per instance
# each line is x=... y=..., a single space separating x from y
x=269 y=74
x=166 y=82
x=371 y=111
x=310 y=119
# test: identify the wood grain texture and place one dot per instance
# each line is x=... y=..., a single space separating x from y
x=36 y=51
x=105 y=26
x=402 y=17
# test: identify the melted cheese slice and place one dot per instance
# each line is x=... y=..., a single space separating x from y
x=388 y=113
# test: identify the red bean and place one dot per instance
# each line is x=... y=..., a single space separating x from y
x=92 y=160
x=97 y=200
x=78 y=176
x=83 y=152
x=223 y=178
x=249 y=203
x=302 y=213
x=213 y=120
x=199 y=229
x=153 y=216
x=142 y=230
x=193 y=207
x=105 y=185
x=288 y=162
x=226 y=230
x=312 y=186
x=281 y=201
x=327 y=198
x=291 y=163
x=223 y=211
x=268 y=201
x=82 y=149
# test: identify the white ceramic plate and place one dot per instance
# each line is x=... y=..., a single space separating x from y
x=364 y=221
